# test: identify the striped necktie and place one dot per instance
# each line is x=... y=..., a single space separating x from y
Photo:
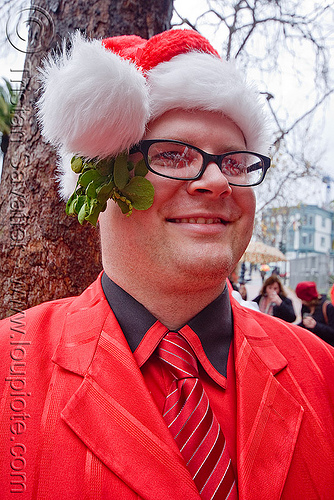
x=189 y=417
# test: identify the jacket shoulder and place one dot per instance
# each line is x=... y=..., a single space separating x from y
x=291 y=340
x=36 y=318
x=48 y=317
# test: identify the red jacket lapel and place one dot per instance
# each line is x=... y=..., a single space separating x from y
x=269 y=417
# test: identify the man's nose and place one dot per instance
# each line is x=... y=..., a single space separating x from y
x=213 y=183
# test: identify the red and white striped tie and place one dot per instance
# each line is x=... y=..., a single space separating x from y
x=193 y=425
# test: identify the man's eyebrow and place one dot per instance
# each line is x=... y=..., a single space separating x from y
x=225 y=148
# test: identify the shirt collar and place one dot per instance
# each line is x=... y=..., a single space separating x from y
x=213 y=325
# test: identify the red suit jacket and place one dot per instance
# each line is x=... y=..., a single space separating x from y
x=78 y=422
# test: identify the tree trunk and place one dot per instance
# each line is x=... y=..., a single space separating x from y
x=46 y=254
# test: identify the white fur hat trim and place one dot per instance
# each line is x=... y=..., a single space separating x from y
x=66 y=178
x=199 y=80
x=94 y=103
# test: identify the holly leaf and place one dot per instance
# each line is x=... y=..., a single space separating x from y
x=105 y=167
x=104 y=191
x=121 y=173
x=76 y=164
x=88 y=176
x=100 y=180
x=123 y=206
x=141 y=168
x=95 y=208
x=71 y=203
x=93 y=217
x=91 y=190
x=130 y=165
x=82 y=213
x=140 y=192
x=79 y=202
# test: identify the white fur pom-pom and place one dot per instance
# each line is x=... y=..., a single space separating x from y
x=94 y=103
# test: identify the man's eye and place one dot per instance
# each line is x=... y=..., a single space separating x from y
x=164 y=157
x=171 y=155
x=233 y=167
x=170 y=159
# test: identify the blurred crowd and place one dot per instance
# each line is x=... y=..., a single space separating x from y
x=310 y=309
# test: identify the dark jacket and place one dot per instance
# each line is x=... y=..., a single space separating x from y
x=284 y=311
x=324 y=330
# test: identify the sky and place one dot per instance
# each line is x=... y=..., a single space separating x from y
x=12 y=60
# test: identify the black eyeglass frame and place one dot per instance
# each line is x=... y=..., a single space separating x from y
x=144 y=146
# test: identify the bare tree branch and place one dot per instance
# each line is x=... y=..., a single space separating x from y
x=301 y=118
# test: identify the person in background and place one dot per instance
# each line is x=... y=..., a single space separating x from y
x=317 y=312
x=273 y=300
x=234 y=277
x=275 y=271
x=263 y=271
x=332 y=294
x=243 y=290
x=237 y=283
x=239 y=289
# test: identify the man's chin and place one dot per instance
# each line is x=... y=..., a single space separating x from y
x=206 y=267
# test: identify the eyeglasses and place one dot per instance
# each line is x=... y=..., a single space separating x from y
x=181 y=161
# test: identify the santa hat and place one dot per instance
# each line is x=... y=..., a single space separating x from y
x=98 y=97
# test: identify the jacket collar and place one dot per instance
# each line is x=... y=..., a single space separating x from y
x=81 y=330
x=89 y=312
x=213 y=325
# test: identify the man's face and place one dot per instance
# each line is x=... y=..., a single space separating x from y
x=195 y=230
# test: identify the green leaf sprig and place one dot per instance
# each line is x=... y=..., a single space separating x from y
x=115 y=178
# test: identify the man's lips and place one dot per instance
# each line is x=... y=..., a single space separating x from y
x=197 y=220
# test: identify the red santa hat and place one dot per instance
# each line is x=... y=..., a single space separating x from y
x=307 y=291
x=98 y=97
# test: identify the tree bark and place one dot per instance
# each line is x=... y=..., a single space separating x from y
x=46 y=254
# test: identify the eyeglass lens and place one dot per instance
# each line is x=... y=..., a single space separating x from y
x=182 y=161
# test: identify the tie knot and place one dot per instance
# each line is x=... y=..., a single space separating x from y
x=177 y=353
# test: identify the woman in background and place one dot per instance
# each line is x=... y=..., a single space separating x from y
x=273 y=300
x=317 y=312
